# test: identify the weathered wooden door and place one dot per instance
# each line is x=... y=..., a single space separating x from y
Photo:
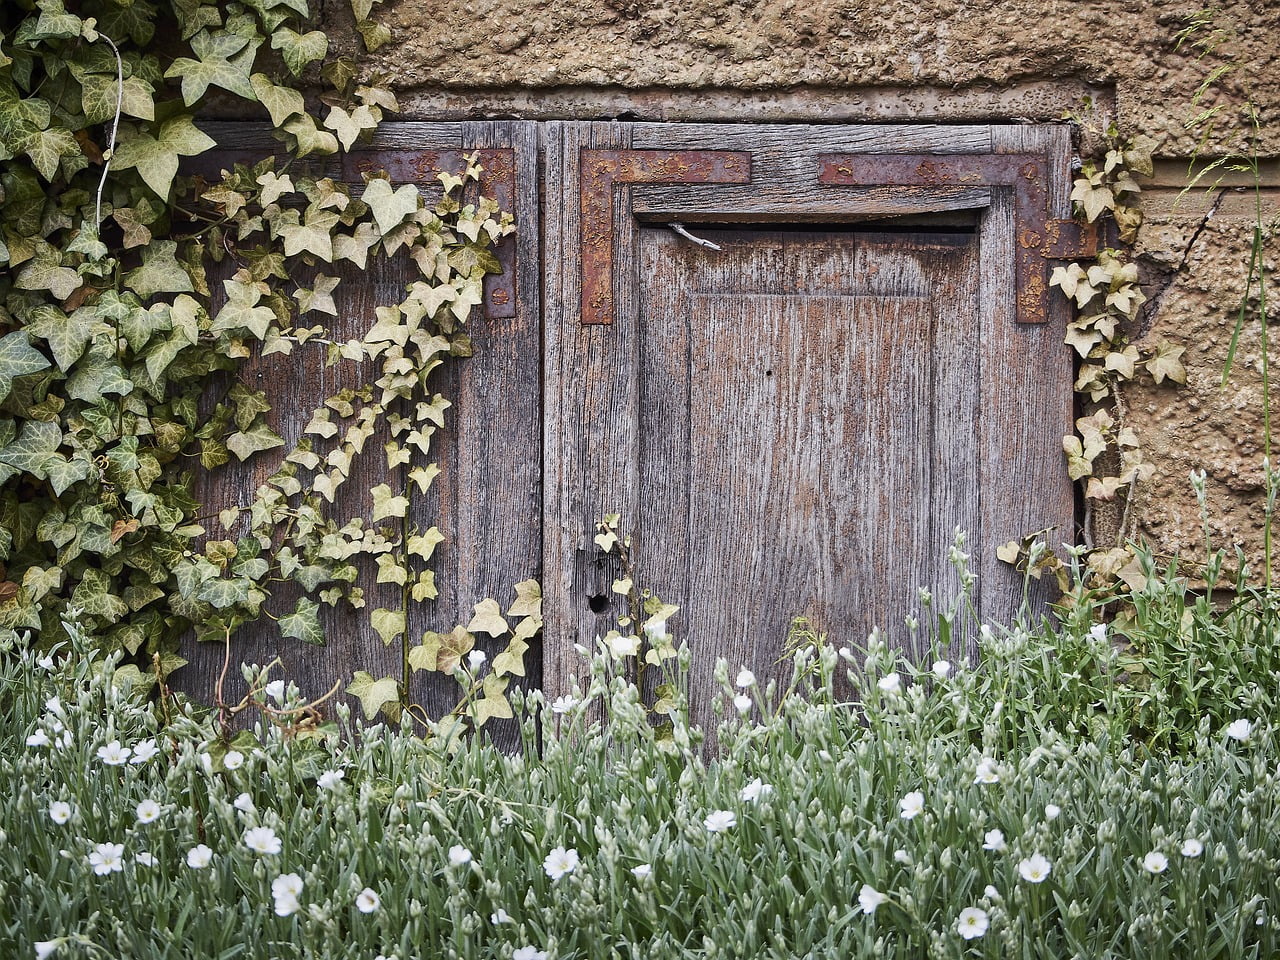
x=796 y=423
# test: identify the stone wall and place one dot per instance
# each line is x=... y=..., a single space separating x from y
x=945 y=60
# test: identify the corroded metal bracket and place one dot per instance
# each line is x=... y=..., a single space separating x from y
x=602 y=171
x=1038 y=235
x=497 y=180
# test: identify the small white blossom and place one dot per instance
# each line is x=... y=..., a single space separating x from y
x=54 y=706
x=60 y=811
x=1239 y=729
x=994 y=840
x=199 y=857
x=144 y=751
x=1098 y=633
x=46 y=948
x=745 y=678
x=901 y=856
x=754 y=790
x=1052 y=811
x=38 y=739
x=912 y=805
x=65 y=740
x=459 y=856
x=330 y=779
x=559 y=862
x=233 y=760
x=286 y=883
x=1191 y=847
x=476 y=659
x=107 y=858
x=244 y=803
x=563 y=704
x=287 y=904
x=869 y=898
x=1155 y=862
x=890 y=683
x=990 y=892
x=113 y=754
x=262 y=840
x=742 y=703
x=941 y=668
x=367 y=901
x=148 y=811
x=500 y=916
x=275 y=690
x=144 y=859
x=986 y=771
x=1034 y=869
x=529 y=953
x=824 y=756
x=46 y=663
x=621 y=646
x=972 y=923
x=642 y=870
x=718 y=821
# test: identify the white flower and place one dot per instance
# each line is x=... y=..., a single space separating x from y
x=262 y=840
x=60 y=811
x=459 y=856
x=107 y=858
x=986 y=771
x=1098 y=633
x=869 y=898
x=234 y=760
x=824 y=756
x=1051 y=811
x=754 y=790
x=529 y=953
x=563 y=704
x=1034 y=868
x=500 y=916
x=330 y=779
x=990 y=892
x=719 y=821
x=286 y=883
x=287 y=904
x=476 y=659
x=1155 y=862
x=1191 y=847
x=642 y=870
x=54 y=705
x=621 y=646
x=972 y=922
x=113 y=755
x=143 y=751
x=742 y=703
x=912 y=805
x=367 y=901
x=148 y=811
x=889 y=683
x=745 y=678
x=1240 y=729
x=199 y=857
x=993 y=840
x=38 y=739
x=244 y=803
x=559 y=862
x=941 y=668
x=902 y=857
x=65 y=741
x=46 y=663
x=144 y=859
x=275 y=690
x=46 y=948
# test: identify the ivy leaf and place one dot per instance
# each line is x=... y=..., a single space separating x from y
x=488 y=619
x=98 y=376
x=425 y=588
x=511 y=660
x=46 y=148
x=241 y=310
x=494 y=703
x=156 y=158
x=297 y=50
x=387 y=504
x=424 y=545
x=63 y=472
x=225 y=61
x=304 y=623
x=45 y=272
x=375 y=695
x=528 y=600
x=314 y=235
x=98 y=92
x=310 y=138
x=390 y=571
x=93 y=596
x=246 y=443
x=389 y=624
x=18 y=359
x=281 y=102
x=349 y=126
x=160 y=272
x=1165 y=362
x=390 y=207
x=38 y=442
x=423 y=476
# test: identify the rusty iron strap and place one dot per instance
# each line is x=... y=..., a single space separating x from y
x=602 y=171
x=1039 y=236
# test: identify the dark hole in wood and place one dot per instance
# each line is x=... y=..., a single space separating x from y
x=598 y=602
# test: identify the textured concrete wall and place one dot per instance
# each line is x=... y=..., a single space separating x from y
x=939 y=60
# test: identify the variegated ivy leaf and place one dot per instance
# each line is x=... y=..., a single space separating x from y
x=386 y=503
x=18 y=359
x=310 y=138
x=319 y=297
x=246 y=443
x=30 y=452
x=225 y=60
x=425 y=587
x=441 y=651
x=390 y=207
x=488 y=619
x=390 y=570
x=1166 y=361
x=281 y=102
x=299 y=49
x=375 y=695
x=45 y=272
x=312 y=234
x=424 y=545
x=349 y=126
x=156 y=157
x=423 y=476
x=241 y=310
x=389 y=624
x=304 y=623
x=159 y=272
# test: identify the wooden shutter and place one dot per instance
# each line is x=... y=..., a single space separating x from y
x=487 y=497
x=795 y=424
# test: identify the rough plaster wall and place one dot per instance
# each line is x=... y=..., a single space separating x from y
x=935 y=60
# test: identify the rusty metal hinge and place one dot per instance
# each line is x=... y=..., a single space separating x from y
x=1038 y=235
x=601 y=171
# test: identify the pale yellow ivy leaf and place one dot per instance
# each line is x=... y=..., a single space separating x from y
x=424 y=545
x=488 y=619
x=1009 y=552
x=396 y=454
x=494 y=703
x=423 y=476
x=386 y=503
x=528 y=600
x=375 y=695
x=527 y=628
x=425 y=588
x=1102 y=488
x=389 y=624
x=511 y=660
x=389 y=571
x=622 y=586
x=1165 y=362
x=327 y=485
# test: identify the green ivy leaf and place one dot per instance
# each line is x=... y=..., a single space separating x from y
x=46 y=148
x=160 y=272
x=375 y=695
x=223 y=592
x=241 y=310
x=246 y=443
x=63 y=473
x=45 y=272
x=98 y=92
x=297 y=50
x=93 y=595
x=390 y=208
x=226 y=60
x=281 y=102
x=389 y=624
x=304 y=623
x=18 y=359
x=38 y=442
x=156 y=158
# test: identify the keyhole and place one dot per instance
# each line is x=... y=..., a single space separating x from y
x=598 y=602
